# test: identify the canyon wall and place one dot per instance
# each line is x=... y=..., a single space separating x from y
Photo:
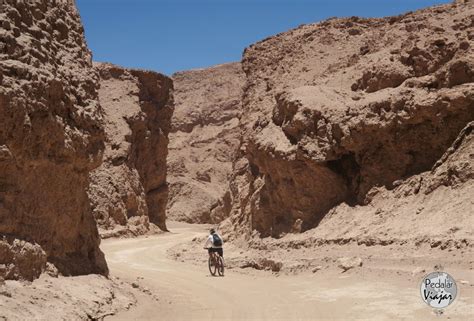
x=203 y=140
x=129 y=190
x=51 y=136
x=335 y=112
x=434 y=207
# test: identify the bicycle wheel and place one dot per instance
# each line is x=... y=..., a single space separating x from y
x=220 y=263
x=212 y=266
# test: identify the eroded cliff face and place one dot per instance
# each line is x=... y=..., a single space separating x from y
x=336 y=110
x=51 y=136
x=129 y=190
x=203 y=141
x=434 y=207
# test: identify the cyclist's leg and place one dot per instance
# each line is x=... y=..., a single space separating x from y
x=220 y=252
x=212 y=253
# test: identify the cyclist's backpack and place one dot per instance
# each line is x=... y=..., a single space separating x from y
x=216 y=240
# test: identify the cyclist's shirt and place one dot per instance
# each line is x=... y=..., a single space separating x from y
x=210 y=241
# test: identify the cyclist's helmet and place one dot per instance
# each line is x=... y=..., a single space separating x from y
x=212 y=231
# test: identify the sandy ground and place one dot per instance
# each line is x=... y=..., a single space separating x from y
x=88 y=297
x=175 y=290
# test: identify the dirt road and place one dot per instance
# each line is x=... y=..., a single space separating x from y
x=188 y=292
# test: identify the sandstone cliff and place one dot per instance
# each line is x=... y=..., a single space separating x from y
x=434 y=207
x=203 y=141
x=129 y=190
x=336 y=112
x=51 y=136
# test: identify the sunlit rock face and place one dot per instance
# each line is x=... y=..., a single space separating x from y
x=335 y=111
x=203 y=141
x=51 y=137
x=129 y=191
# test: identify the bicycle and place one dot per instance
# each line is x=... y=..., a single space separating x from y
x=216 y=263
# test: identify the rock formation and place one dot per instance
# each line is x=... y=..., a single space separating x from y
x=203 y=139
x=51 y=136
x=335 y=111
x=434 y=207
x=129 y=190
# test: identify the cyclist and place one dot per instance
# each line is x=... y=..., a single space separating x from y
x=216 y=242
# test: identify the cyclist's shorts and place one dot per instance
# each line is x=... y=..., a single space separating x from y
x=219 y=251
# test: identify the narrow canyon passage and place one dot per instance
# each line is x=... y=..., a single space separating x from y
x=335 y=159
x=186 y=291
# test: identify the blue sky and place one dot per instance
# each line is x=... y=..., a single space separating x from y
x=173 y=35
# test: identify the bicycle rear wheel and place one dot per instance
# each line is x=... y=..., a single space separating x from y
x=220 y=264
x=212 y=266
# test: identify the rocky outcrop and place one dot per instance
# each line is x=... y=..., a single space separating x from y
x=51 y=136
x=21 y=260
x=129 y=190
x=335 y=110
x=427 y=211
x=203 y=141
x=434 y=207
